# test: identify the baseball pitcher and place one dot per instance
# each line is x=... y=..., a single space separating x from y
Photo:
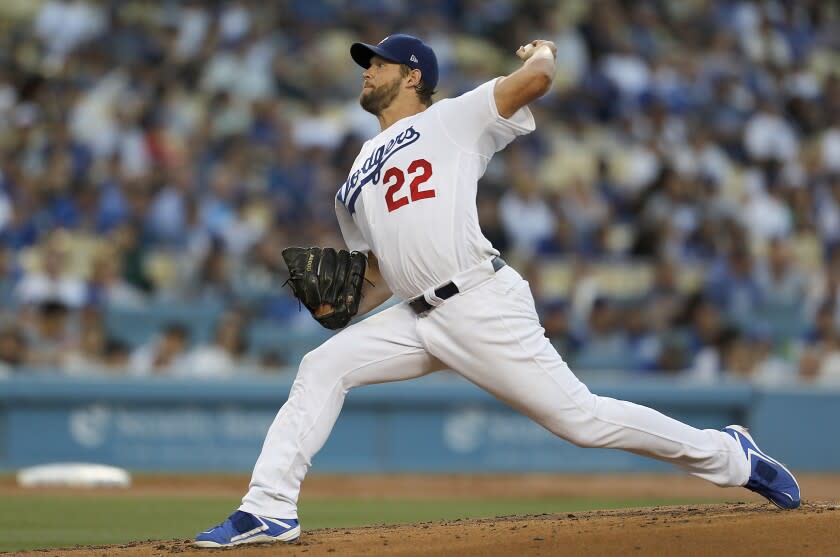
x=408 y=214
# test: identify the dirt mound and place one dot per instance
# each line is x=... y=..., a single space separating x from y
x=733 y=529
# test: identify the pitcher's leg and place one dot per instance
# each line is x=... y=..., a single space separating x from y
x=506 y=353
x=382 y=348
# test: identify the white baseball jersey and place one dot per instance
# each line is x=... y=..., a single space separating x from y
x=410 y=196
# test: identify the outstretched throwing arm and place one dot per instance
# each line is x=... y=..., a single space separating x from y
x=529 y=82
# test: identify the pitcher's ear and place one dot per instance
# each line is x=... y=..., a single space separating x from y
x=414 y=77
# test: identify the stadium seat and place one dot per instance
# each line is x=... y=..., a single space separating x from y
x=289 y=343
x=135 y=326
x=781 y=320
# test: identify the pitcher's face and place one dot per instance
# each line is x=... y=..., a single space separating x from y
x=382 y=82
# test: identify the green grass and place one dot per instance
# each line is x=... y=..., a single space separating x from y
x=43 y=521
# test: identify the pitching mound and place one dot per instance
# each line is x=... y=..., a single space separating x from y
x=732 y=529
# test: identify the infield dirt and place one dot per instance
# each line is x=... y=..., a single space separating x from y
x=742 y=528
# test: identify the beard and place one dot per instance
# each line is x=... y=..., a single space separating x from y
x=379 y=98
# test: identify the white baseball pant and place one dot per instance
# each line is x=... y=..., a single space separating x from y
x=491 y=335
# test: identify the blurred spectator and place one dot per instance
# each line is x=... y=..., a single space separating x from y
x=763 y=43
x=270 y=362
x=9 y=276
x=63 y=25
x=604 y=345
x=830 y=147
x=562 y=241
x=166 y=354
x=673 y=206
x=222 y=358
x=765 y=213
x=526 y=216
x=780 y=281
x=259 y=279
x=711 y=341
x=735 y=358
x=167 y=216
x=491 y=223
x=88 y=357
x=628 y=73
x=13 y=349
x=116 y=356
x=821 y=364
x=584 y=208
x=128 y=245
x=52 y=279
x=218 y=210
x=211 y=281
x=106 y=287
x=824 y=328
x=768 y=367
x=558 y=329
x=192 y=21
x=644 y=345
x=732 y=284
x=662 y=302
x=50 y=335
x=828 y=208
x=768 y=137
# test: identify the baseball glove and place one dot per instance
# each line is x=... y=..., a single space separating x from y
x=324 y=276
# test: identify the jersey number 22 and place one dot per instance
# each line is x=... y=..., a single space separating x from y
x=420 y=171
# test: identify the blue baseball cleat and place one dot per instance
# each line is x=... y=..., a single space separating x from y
x=768 y=477
x=242 y=528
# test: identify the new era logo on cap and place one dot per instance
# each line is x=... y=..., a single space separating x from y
x=403 y=49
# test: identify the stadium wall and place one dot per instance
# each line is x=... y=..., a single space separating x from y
x=436 y=424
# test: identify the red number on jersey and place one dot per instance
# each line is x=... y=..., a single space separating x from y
x=395 y=178
x=399 y=180
x=426 y=173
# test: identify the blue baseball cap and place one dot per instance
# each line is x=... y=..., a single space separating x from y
x=402 y=49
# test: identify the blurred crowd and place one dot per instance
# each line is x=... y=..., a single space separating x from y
x=677 y=210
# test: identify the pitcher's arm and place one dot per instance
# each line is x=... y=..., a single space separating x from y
x=375 y=292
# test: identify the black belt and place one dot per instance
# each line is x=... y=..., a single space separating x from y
x=420 y=305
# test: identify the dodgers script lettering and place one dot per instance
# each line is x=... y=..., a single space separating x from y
x=371 y=169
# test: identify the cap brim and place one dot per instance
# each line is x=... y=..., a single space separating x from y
x=362 y=53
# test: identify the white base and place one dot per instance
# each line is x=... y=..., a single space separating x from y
x=73 y=474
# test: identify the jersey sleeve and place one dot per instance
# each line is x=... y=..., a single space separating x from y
x=473 y=122
x=352 y=235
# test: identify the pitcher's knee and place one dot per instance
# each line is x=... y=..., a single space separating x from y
x=310 y=361
x=322 y=366
x=582 y=440
x=316 y=363
x=575 y=433
x=580 y=426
